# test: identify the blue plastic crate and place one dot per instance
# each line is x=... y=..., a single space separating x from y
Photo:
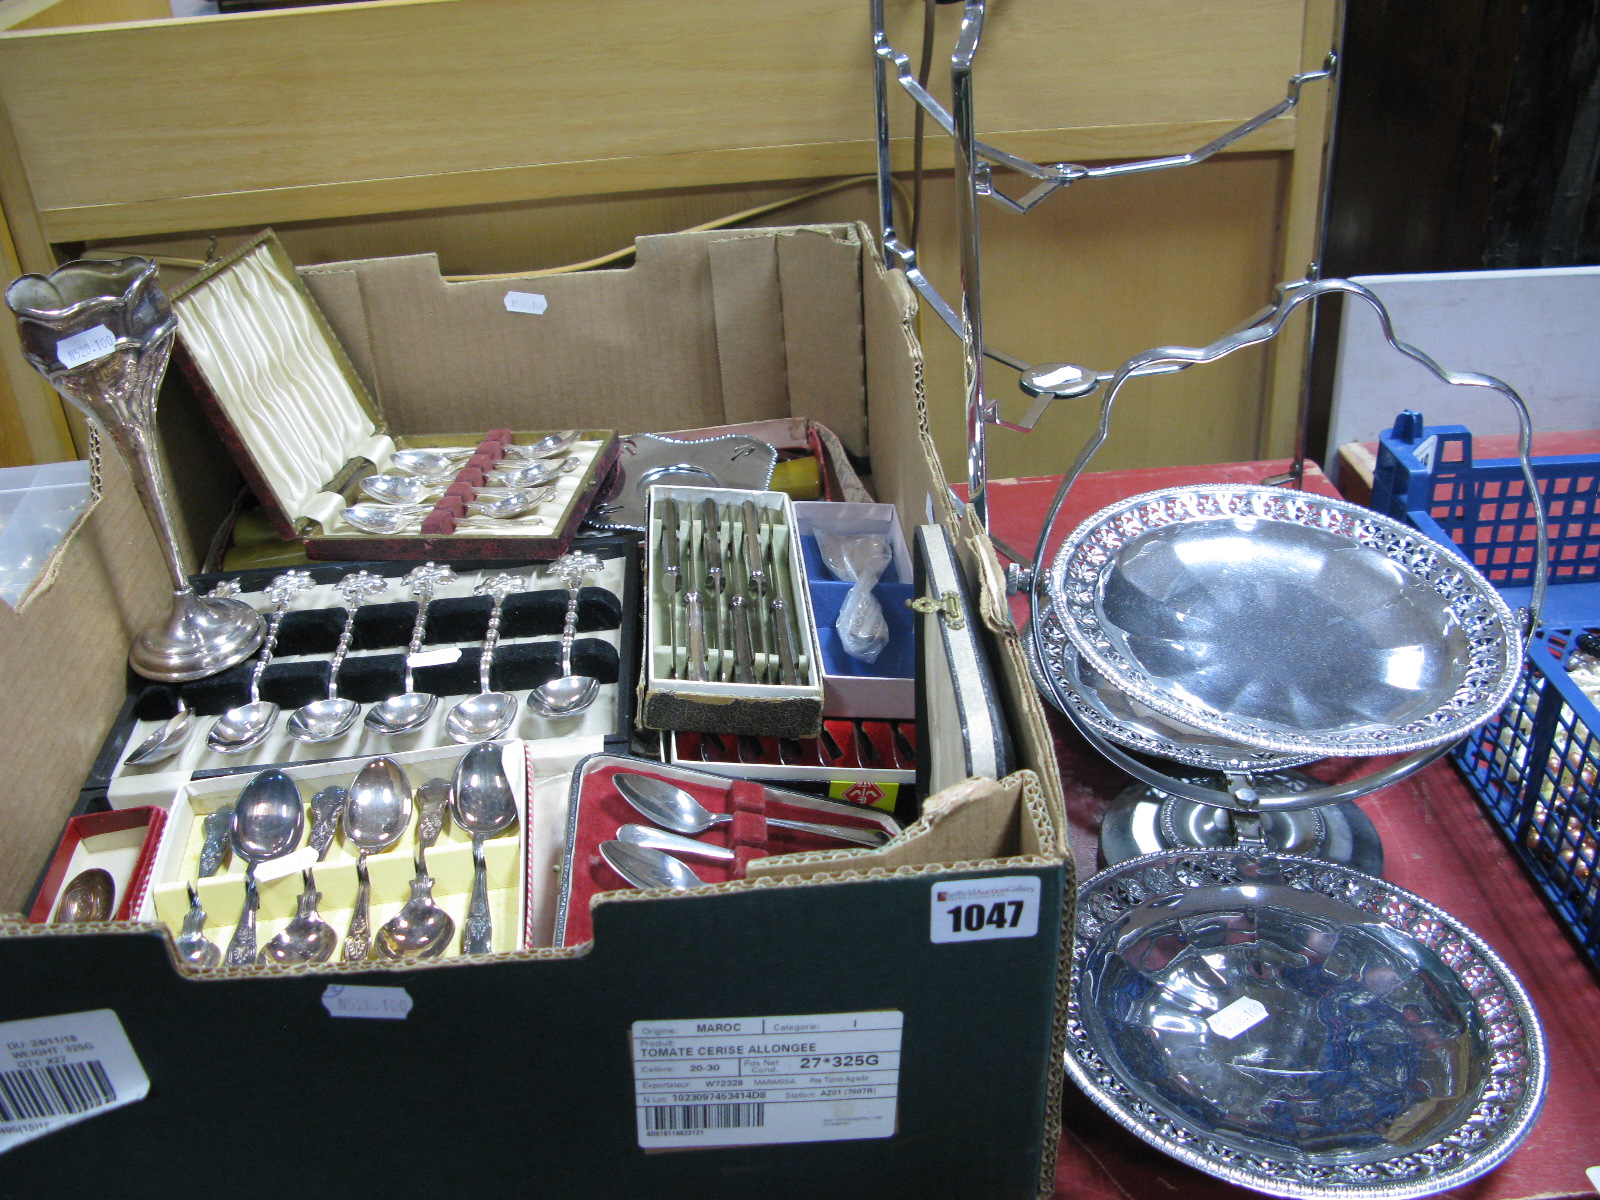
x=1535 y=767
x=1426 y=477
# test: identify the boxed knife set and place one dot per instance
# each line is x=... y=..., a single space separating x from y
x=559 y=857
x=731 y=643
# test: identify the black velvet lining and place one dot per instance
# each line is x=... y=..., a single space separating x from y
x=371 y=677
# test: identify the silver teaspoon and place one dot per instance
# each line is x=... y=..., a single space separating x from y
x=672 y=843
x=193 y=946
x=483 y=804
x=306 y=938
x=645 y=867
x=489 y=714
x=324 y=720
x=411 y=708
x=327 y=806
x=675 y=809
x=165 y=740
x=568 y=694
x=421 y=929
x=244 y=726
x=375 y=815
x=267 y=822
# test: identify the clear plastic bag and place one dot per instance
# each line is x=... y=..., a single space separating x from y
x=859 y=559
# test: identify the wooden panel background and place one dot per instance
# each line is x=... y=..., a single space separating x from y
x=528 y=133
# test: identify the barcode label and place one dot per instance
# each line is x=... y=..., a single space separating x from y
x=74 y=1087
x=55 y=1071
x=705 y=1116
x=765 y=1081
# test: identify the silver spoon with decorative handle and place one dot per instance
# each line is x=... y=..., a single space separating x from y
x=330 y=718
x=244 y=726
x=483 y=804
x=489 y=714
x=411 y=709
x=267 y=822
x=376 y=814
x=568 y=694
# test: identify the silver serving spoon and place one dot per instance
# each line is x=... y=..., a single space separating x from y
x=267 y=822
x=327 y=806
x=164 y=740
x=192 y=944
x=531 y=474
x=324 y=720
x=244 y=726
x=674 y=809
x=645 y=867
x=306 y=938
x=489 y=714
x=672 y=843
x=568 y=694
x=483 y=804
x=87 y=898
x=411 y=708
x=375 y=815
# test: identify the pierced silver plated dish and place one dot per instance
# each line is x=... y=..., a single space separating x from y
x=1075 y=687
x=731 y=461
x=1298 y=1027
x=1285 y=620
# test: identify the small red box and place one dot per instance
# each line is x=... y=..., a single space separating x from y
x=105 y=839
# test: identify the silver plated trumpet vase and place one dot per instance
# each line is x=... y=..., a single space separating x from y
x=101 y=332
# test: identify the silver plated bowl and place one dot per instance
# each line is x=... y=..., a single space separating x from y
x=731 y=461
x=1298 y=1027
x=1075 y=687
x=1286 y=621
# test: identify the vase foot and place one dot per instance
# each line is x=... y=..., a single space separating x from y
x=199 y=637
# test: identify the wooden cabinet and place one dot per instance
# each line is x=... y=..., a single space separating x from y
x=511 y=134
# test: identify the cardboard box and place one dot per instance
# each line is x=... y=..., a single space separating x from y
x=523 y=1064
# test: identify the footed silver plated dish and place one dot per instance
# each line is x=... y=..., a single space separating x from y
x=1285 y=621
x=1298 y=1027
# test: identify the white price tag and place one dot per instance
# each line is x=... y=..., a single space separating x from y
x=436 y=658
x=1244 y=1013
x=980 y=910
x=526 y=302
x=289 y=864
x=57 y=1071
x=89 y=346
x=375 y=1003
x=762 y=1081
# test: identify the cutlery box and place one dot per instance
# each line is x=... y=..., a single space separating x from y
x=304 y=430
x=279 y=884
x=525 y=1063
x=670 y=697
x=883 y=689
x=122 y=843
x=528 y=654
